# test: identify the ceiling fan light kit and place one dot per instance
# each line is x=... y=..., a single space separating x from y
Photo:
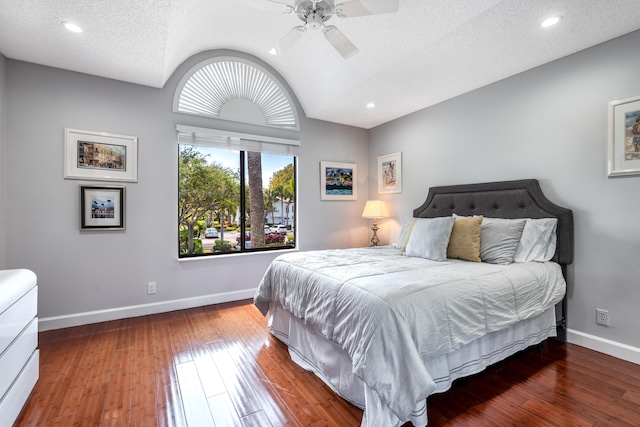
x=314 y=14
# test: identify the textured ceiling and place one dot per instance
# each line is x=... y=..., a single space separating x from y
x=427 y=52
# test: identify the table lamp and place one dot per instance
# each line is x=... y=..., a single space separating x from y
x=375 y=209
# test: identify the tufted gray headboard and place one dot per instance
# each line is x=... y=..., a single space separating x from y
x=504 y=199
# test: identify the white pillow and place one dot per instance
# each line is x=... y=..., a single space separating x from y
x=405 y=232
x=499 y=239
x=538 y=241
x=429 y=238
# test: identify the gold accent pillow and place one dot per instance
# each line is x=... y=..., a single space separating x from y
x=464 y=242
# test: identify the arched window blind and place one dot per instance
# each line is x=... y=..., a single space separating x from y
x=214 y=88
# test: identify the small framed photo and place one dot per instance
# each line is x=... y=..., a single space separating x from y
x=624 y=137
x=338 y=181
x=100 y=156
x=102 y=208
x=390 y=173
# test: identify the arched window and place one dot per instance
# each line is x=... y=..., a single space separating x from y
x=235 y=89
x=236 y=191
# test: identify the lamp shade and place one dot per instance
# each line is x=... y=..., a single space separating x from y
x=375 y=209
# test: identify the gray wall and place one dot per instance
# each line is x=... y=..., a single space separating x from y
x=3 y=259
x=86 y=271
x=549 y=123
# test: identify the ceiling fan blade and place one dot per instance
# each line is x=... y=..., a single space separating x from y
x=288 y=41
x=290 y=3
x=353 y=8
x=340 y=42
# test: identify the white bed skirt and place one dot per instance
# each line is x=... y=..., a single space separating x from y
x=332 y=365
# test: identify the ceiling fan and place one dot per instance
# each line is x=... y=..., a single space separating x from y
x=314 y=14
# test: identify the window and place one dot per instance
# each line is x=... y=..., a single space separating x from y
x=236 y=193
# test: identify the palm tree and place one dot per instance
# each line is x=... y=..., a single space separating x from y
x=279 y=193
x=270 y=198
x=226 y=207
x=282 y=184
x=256 y=198
x=288 y=195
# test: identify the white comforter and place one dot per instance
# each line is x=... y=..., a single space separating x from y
x=391 y=313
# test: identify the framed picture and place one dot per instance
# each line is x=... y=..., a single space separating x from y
x=390 y=173
x=338 y=181
x=624 y=137
x=102 y=208
x=100 y=156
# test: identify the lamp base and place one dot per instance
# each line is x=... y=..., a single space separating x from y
x=374 y=239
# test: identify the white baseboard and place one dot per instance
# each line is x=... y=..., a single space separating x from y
x=77 y=319
x=603 y=345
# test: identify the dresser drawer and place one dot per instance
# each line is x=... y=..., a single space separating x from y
x=13 y=401
x=14 y=358
x=15 y=318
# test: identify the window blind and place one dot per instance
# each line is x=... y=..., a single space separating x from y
x=236 y=141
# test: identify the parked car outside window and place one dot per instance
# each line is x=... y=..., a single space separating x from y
x=211 y=233
x=247 y=240
x=280 y=229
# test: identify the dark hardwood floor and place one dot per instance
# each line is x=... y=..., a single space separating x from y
x=218 y=366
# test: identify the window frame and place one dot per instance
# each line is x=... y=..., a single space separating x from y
x=242 y=143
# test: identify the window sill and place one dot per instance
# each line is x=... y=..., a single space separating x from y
x=235 y=255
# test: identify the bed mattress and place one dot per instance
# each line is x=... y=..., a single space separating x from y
x=392 y=314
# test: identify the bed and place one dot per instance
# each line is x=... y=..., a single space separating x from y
x=386 y=327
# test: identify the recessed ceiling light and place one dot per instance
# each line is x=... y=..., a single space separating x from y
x=549 y=22
x=371 y=105
x=72 y=27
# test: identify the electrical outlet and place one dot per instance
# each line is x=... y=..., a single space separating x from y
x=602 y=317
x=151 y=288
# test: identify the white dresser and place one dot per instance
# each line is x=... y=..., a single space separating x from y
x=19 y=354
